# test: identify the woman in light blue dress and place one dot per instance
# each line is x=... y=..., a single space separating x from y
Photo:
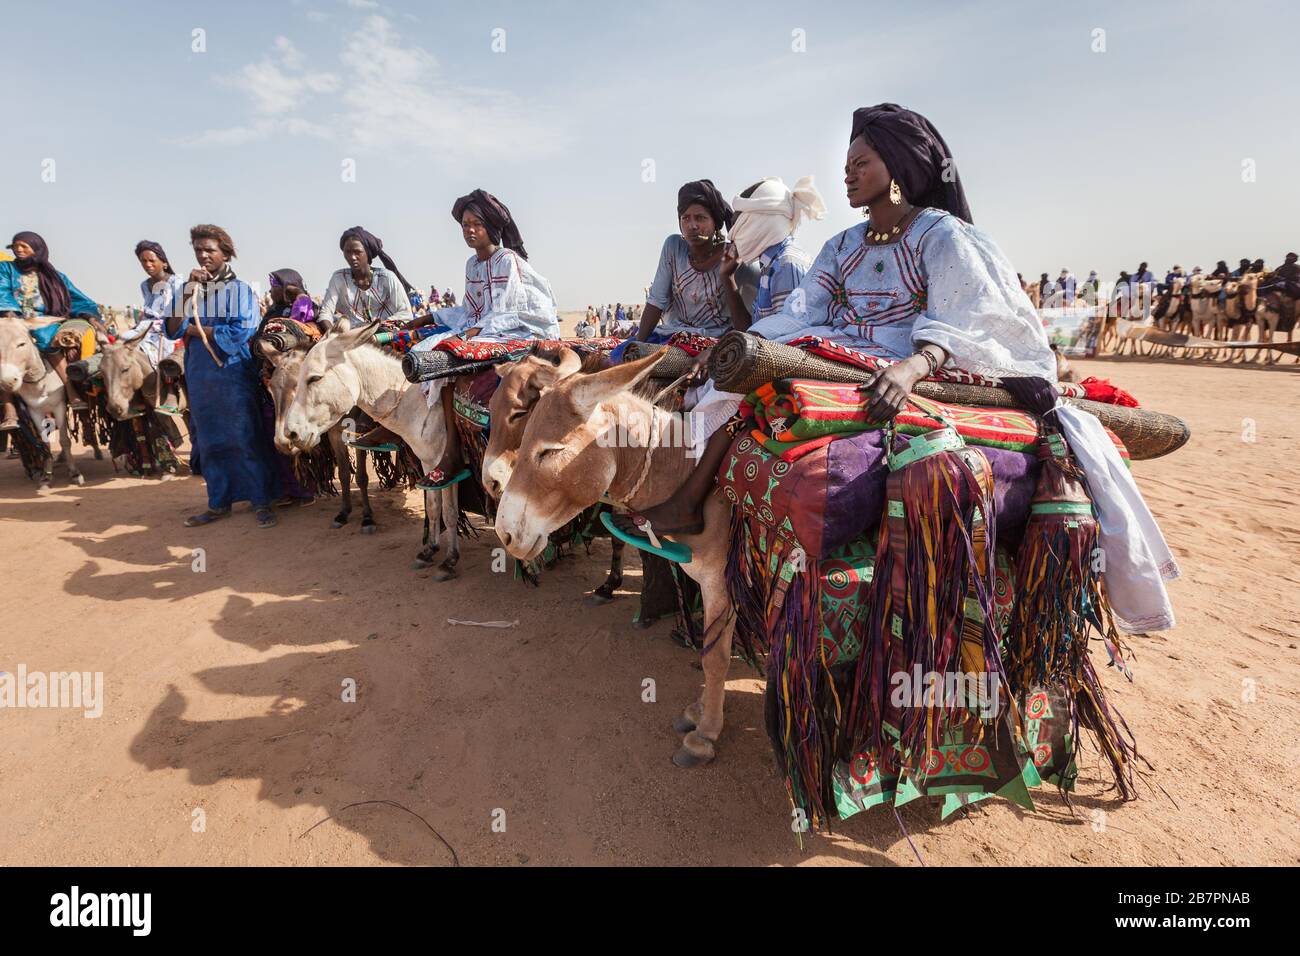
x=505 y=299
x=689 y=291
x=916 y=284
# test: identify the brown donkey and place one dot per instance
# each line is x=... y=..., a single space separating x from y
x=589 y=437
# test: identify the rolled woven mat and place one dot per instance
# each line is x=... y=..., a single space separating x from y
x=287 y=336
x=741 y=363
x=172 y=367
x=422 y=366
x=84 y=370
x=675 y=363
x=639 y=350
x=428 y=366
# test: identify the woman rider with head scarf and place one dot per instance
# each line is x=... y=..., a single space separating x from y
x=43 y=297
x=287 y=299
x=505 y=299
x=364 y=292
x=915 y=284
x=164 y=294
x=689 y=291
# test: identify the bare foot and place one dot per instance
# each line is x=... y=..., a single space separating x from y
x=674 y=517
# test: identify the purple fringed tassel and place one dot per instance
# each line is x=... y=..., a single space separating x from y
x=934 y=555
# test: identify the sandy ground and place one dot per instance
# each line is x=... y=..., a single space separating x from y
x=223 y=689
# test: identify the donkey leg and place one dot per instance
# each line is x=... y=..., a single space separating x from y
x=65 y=449
x=605 y=593
x=690 y=718
x=345 y=477
x=88 y=427
x=449 y=539
x=368 y=525
x=698 y=745
x=432 y=510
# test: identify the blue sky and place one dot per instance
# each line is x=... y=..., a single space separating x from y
x=1070 y=157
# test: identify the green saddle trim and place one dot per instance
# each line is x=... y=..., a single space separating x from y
x=1061 y=508
x=923 y=446
x=383 y=446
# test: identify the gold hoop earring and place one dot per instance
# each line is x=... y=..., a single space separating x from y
x=895 y=194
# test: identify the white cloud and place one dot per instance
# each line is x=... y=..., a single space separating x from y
x=394 y=91
x=363 y=4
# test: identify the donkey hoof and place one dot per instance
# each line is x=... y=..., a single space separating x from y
x=340 y=520
x=44 y=489
x=78 y=480
x=445 y=572
x=695 y=751
x=370 y=528
x=99 y=455
x=602 y=595
x=683 y=724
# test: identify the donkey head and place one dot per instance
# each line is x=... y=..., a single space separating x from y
x=521 y=385
x=285 y=367
x=566 y=459
x=124 y=369
x=20 y=361
x=326 y=389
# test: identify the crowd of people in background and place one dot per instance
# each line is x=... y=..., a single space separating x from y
x=1142 y=285
x=608 y=321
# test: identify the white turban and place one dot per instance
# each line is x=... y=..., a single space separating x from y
x=772 y=212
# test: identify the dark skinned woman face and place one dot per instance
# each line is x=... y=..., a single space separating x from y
x=474 y=231
x=209 y=255
x=866 y=179
x=22 y=250
x=696 y=223
x=354 y=251
x=291 y=293
x=153 y=266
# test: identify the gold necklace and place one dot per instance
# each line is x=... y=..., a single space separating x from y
x=886 y=236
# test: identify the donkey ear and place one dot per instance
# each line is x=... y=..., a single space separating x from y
x=134 y=343
x=570 y=363
x=590 y=390
x=359 y=336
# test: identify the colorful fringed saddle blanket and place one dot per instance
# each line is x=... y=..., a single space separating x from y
x=787 y=601
x=896 y=665
x=812 y=468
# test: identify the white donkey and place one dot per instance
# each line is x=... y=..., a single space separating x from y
x=345 y=370
x=26 y=375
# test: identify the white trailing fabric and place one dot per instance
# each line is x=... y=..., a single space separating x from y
x=1138 y=560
